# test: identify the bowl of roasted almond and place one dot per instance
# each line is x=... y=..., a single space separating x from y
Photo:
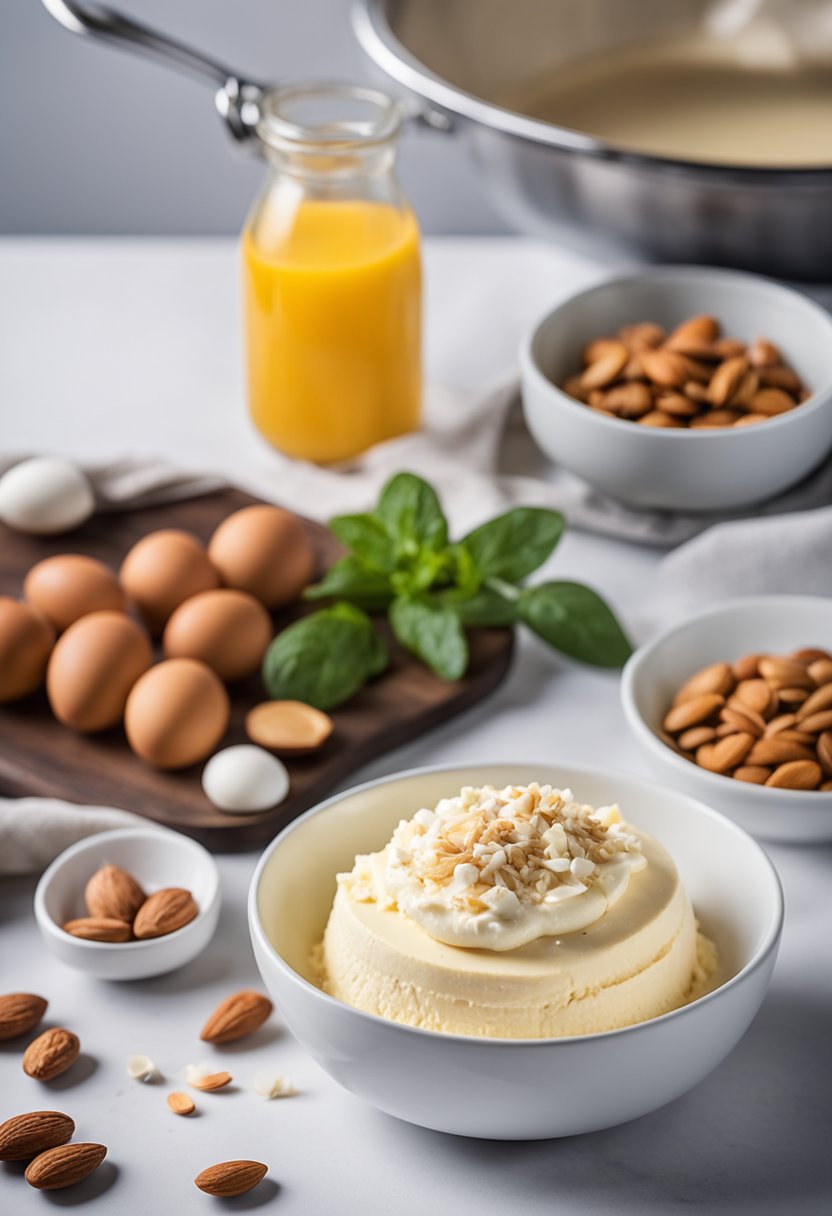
x=130 y=903
x=683 y=388
x=735 y=706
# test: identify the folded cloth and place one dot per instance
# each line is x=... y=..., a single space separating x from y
x=482 y=460
x=33 y=831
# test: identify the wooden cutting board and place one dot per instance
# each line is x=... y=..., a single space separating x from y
x=39 y=756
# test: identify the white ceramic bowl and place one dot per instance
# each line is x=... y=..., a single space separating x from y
x=698 y=470
x=157 y=858
x=775 y=624
x=515 y=1089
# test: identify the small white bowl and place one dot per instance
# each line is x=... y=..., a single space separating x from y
x=515 y=1089
x=776 y=624
x=156 y=858
x=692 y=470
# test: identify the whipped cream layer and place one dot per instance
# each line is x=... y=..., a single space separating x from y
x=496 y=869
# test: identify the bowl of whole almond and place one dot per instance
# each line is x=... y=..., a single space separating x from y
x=129 y=904
x=734 y=706
x=686 y=388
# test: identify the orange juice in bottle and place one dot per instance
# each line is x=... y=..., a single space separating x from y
x=332 y=275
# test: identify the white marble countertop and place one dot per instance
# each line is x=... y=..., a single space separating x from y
x=115 y=347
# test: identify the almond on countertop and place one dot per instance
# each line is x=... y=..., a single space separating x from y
x=113 y=893
x=230 y=1178
x=20 y=1012
x=181 y=1104
x=164 y=912
x=51 y=1053
x=236 y=1016
x=207 y=1082
x=24 y=1136
x=64 y=1165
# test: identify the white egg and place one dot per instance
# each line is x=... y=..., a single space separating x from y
x=245 y=778
x=45 y=496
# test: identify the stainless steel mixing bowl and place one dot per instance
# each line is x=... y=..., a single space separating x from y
x=452 y=55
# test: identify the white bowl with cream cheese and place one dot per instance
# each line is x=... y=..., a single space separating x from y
x=515 y=1088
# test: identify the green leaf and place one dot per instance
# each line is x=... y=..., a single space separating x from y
x=411 y=513
x=368 y=539
x=350 y=579
x=576 y=621
x=433 y=632
x=324 y=658
x=513 y=545
x=486 y=609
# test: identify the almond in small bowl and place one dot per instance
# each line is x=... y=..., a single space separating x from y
x=172 y=930
x=751 y=729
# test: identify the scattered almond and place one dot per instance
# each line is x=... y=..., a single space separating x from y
x=24 y=1136
x=230 y=1178
x=114 y=894
x=236 y=1016
x=99 y=929
x=50 y=1054
x=20 y=1012
x=207 y=1082
x=164 y=912
x=181 y=1104
x=64 y=1165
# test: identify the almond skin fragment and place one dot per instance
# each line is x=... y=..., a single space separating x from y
x=99 y=929
x=20 y=1012
x=113 y=893
x=797 y=775
x=180 y=1103
x=25 y=1136
x=50 y=1054
x=230 y=1178
x=64 y=1166
x=164 y=912
x=236 y=1016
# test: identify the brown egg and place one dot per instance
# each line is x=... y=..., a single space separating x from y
x=26 y=641
x=228 y=630
x=69 y=586
x=265 y=551
x=93 y=667
x=176 y=714
x=162 y=570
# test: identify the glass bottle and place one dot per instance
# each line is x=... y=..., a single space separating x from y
x=332 y=273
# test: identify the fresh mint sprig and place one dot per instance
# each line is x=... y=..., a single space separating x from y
x=402 y=561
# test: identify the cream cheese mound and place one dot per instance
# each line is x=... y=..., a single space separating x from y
x=495 y=869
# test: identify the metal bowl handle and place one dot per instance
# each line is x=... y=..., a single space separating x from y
x=236 y=97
